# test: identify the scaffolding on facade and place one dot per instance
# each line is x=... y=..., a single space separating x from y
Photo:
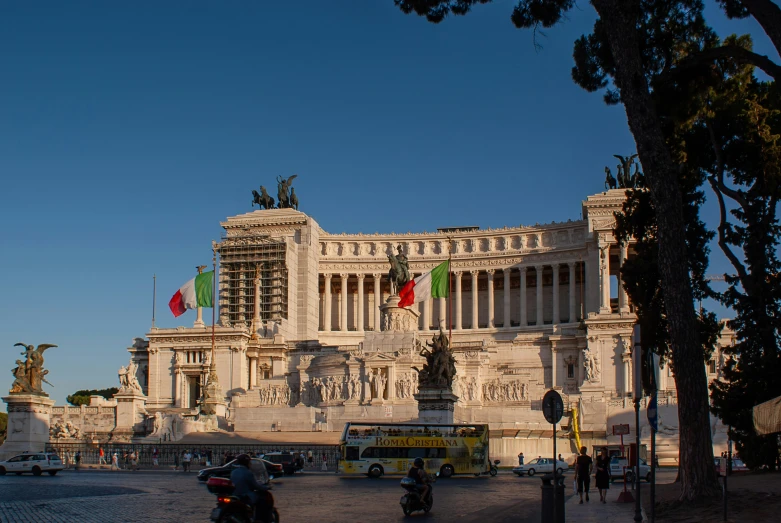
x=248 y=262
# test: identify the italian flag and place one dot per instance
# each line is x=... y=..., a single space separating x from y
x=195 y=293
x=433 y=284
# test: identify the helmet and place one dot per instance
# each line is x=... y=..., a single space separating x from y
x=243 y=460
x=418 y=462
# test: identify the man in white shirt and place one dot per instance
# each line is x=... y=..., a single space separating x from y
x=186 y=461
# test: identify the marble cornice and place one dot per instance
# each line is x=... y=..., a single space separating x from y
x=433 y=236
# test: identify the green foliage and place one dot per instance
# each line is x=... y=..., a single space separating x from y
x=3 y=425
x=81 y=397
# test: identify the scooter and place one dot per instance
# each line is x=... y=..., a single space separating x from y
x=411 y=501
x=231 y=509
x=493 y=470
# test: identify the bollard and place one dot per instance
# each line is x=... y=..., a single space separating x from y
x=547 y=499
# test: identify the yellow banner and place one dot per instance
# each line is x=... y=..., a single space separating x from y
x=576 y=426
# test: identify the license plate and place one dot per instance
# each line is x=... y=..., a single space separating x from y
x=215 y=514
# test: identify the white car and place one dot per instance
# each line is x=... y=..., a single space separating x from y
x=34 y=462
x=540 y=466
x=618 y=464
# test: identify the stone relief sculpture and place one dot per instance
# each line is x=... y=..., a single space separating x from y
x=275 y=394
x=498 y=391
x=406 y=386
x=29 y=375
x=65 y=430
x=591 y=365
x=440 y=368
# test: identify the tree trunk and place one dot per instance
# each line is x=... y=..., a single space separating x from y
x=698 y=478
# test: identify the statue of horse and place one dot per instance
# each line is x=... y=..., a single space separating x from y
x=397 y=275
x=262 y=199
x=293 y=199
x=610 y=182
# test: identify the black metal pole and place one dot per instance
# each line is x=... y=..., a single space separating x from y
x=638 y=509
x=653 y=474
x=727 y=470
x=555 y=480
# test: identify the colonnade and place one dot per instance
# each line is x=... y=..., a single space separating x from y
x=512 y=299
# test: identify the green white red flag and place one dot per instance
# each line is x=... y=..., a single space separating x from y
x=193 y=294
x=433 y=284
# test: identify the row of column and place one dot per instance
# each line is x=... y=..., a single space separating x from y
x=604 y=278
x=427 y=307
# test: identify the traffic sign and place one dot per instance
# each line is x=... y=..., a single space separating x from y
x=653 y=413
x=552 y=407
x=620 y=430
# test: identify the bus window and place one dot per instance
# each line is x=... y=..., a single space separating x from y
x=371 y=452
x=416 y=453
x=352 y=454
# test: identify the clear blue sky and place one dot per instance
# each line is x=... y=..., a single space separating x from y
x=128 y=130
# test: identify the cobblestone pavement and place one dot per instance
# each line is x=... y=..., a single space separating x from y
x=164 y=496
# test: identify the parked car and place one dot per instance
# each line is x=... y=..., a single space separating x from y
x=262 y=469
x=721 y=465
x=617 y=465
x=35 y=462
x=540 y=466
x=288 y=461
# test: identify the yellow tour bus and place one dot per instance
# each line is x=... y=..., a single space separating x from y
x=375 y=449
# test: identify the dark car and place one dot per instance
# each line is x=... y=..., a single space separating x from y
x=290 y=462
x=262 y=469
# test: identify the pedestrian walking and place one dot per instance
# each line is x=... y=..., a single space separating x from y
x=583 y=466
x=77 y=458
x=67 y=459
x=176 y=461
x=134 y=460
x=155 y=458
x=115 y=461
x=324 y=467
x=520 y=458
x=101 y=456
x=310 y=458
x=338 y=459
x=186 y=458
x=602 y=475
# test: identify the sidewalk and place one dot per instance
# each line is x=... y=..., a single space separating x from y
x=596 y=512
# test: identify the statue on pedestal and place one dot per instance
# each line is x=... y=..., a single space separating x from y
x=399 y=271
x=440 y=367
x=29 y=375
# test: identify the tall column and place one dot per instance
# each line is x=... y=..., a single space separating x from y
x=253 y=372
x=256 y=314
x=490 y=273
x=524 y=312
x=359 y=312
x=604 y=278
x=623 y=299
x=506 y=316
x=458 y=322
x=475 y=290
x=327 y=303
x=556 y=315
x=572 y=312
x=442 y=318
x=540 y=319
x=554 y=366
x=343 y=315
x=429 y=313
x=377 y=299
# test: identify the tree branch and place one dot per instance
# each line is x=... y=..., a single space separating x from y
x=736 y=53
x=732 y=193
x=768 y=14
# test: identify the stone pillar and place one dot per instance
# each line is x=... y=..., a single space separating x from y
x=623 y=299
x=626 y=357
x=540 y=318
x=524 y=312
x=442 y=318
x=573 y=315
x=556 y=315
x=604 y=278
x=391 y=384
x=377 y=300
x=475 y=290
x=178 y=389
x=491 y=322
x=428 y=314
x=327 y=303
x=253 y=372
x=359 y=312
x=28 y=424
x=256 y=313
x=130 y=405
x=435 y=406
x=506 y=316
x=199 y=318
x=459 y=314
x=343 y=315
x=554 y=366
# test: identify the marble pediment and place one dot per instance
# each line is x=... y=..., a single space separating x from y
x=379 y=357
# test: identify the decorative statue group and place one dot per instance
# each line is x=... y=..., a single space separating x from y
x=331 y=388
x=590 y=365
x=29 y=375
x=128 y=382
x=399 y=271
x=466 y=389
x=278 y=395
x=286 y=195
x=624 y=179
x=440 y=367
x=497 y=391
x=167 y=426
x=407 y=386
x=64 y=431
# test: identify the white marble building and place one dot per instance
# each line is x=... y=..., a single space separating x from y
x=302 y=344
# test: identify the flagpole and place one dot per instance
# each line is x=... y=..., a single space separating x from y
x=214 y=299
x=450 y=290
x=154 y=297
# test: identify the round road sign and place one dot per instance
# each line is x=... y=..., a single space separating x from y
x=552 y=406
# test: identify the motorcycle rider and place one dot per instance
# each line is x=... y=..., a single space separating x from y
x=245 y=487
x=418 y=473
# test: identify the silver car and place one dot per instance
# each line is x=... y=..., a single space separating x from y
x=540 y=465
x=34 y=462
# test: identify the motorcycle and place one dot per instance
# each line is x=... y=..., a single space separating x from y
x=231 y=509
x=493 y=470
x=411 y=501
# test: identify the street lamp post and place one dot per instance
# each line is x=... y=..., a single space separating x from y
x=638 y=394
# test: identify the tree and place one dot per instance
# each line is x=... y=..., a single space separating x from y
x=81 y=397
x=3 y=425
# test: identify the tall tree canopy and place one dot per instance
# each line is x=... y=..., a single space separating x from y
x=639 y=47
x=81 y=397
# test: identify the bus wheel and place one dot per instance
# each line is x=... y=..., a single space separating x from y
x=375 y=471
x=446 y=471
